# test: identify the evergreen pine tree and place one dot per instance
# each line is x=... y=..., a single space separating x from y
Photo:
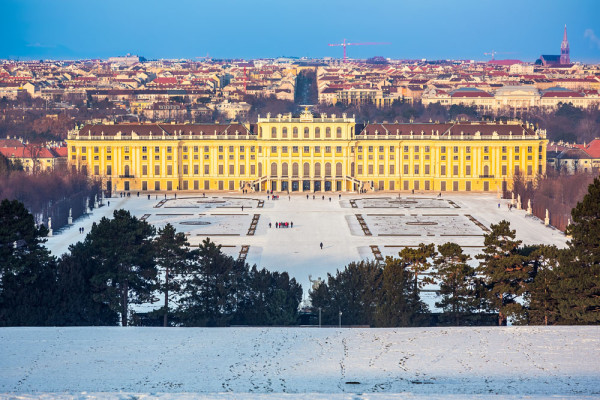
x=542 y=306
x=27 y=270
x=122 y=248
x=79 y=301
x=214 y=284
x=505 y=270
x=173 y=257
x=578 y=287
x=417 y=260
x=354 y=291
x=399 y=302
x=269 y=298
x=456 y=281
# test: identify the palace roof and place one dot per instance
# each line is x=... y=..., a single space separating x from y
x=165 y=129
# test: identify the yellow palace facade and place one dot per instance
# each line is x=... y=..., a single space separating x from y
x=309 y=153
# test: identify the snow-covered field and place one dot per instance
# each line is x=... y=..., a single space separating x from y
x=394 y=224
x=299 y=363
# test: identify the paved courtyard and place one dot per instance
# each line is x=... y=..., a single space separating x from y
x=351 y=226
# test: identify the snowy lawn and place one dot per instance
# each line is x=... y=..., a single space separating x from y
x=333 y=222
x=302 y=363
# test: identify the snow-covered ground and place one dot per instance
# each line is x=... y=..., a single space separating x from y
x=394 y=223
x=300 y=363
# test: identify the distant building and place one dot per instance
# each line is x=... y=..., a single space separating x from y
x=36 y=158
x=549 y=60
x=126 y=60
x=564 y=49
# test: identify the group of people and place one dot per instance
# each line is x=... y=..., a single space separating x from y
x=81 y=230
x=323 y=197
x=283 y=225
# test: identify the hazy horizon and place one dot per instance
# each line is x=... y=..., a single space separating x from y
x=434 y=29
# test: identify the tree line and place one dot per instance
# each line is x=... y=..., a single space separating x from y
x=538 y=285
x=124 y=262
x=556 y=192
x=48 y=194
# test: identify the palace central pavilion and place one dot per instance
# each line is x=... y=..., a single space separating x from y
x=309 y=154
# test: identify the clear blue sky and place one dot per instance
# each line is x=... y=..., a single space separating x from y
x=433 y=29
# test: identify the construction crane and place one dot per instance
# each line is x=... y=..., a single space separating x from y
x=494 y=52
x=344 y=44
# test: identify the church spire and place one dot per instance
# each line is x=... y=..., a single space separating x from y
x=564 y=49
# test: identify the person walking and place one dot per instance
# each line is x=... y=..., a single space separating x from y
x=321 y=245
x=291 y=224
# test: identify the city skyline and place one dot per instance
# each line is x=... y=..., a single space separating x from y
x=34 y=29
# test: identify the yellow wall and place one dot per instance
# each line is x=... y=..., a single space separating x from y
x=387 y=163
